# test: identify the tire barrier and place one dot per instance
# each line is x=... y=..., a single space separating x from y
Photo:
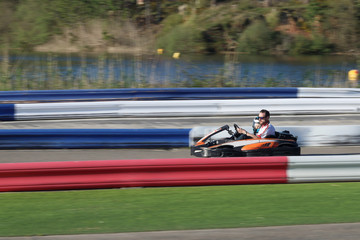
x=93 y=138
x=141 y=173
x=173 y=94
x=183 y=108
x=177 y=172
x=317 y=136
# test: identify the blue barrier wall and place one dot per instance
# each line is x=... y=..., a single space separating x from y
x=93 y=138
x=7 y=112
x=146 y=94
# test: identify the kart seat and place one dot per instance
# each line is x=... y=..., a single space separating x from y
x=285 y=135
x=277 y=134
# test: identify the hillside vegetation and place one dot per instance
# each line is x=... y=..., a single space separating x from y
x=201 y=26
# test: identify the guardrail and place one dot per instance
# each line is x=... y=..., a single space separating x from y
x=141 y=173
x=135 y=94
x=177 y=172
x=177 y=108
x=174 y=94
x=331 y=168
x=93 y=138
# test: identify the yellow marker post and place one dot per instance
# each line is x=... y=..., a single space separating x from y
x=176 y=55
x=353 y=76
x=160 y=51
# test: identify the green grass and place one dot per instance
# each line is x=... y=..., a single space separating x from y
x=152 y=209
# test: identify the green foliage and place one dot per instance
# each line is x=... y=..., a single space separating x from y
x=203 y=25
x=272 y=18
x=182 y=38
x=315 y=8
x=171 y=21
x=257 y=38
x=340 y=25
x=315 y=45
x=246 y=5
x=33 y=24
x=36 y=22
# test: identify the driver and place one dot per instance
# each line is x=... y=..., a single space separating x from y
x=265 y=130
x=256 y=125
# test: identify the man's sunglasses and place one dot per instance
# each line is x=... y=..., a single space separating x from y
x=262 y=117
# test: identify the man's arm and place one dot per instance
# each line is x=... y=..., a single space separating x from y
x=243 y=131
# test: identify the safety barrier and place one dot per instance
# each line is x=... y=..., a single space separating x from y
x=141 y=173
x=173 y=94
x=327 y=135
x=178 y=108
x=7 y=112
x=177 y=172
x=93 y=138
x=145 y=94
x=331 y=168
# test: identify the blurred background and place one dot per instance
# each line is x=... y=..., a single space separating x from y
x=80 y=44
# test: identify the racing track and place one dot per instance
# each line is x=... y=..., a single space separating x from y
x=50 y=155
x=306 y=232
x=164 y=122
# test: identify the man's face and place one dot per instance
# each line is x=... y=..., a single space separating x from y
x=262 y=119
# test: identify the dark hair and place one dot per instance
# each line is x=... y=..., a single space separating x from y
x=267 y=113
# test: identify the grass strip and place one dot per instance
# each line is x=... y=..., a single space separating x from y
x=154 y=209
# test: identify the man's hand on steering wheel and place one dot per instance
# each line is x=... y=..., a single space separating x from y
x=239 y=129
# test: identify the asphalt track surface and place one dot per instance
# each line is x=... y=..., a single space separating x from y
x=183 y=122
x=55 y=155
x=350 y=231
x=344 y=231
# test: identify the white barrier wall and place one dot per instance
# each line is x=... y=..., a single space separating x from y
x=329 y=135
x=186 y=108
x=328 y=92
x=330 y=168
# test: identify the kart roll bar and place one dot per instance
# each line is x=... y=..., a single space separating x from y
x=225 y=127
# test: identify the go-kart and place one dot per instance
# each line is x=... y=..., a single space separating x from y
x=282 y=144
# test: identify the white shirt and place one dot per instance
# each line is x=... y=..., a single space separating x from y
x=266 y=130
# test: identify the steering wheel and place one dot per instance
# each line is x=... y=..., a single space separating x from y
x=236 y=134
x=236 y=127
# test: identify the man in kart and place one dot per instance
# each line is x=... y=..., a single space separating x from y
x=265 y=130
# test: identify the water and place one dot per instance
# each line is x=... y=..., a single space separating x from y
x=62 y=71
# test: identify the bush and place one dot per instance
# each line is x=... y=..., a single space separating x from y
x=171 y=21
x=32 y=26
x=257 y=38
x=315 y=45
x=182 y=38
